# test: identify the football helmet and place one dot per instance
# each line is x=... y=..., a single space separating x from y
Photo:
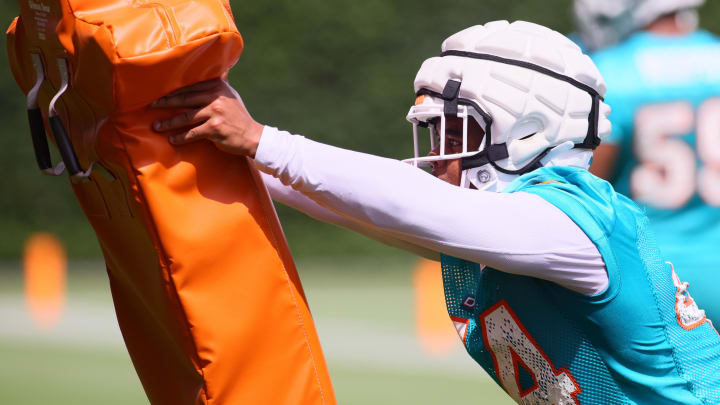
x=537 y=97
x=604 y=22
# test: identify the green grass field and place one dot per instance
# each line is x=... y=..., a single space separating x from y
x=363 y=311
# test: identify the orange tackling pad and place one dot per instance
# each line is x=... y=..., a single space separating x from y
x=206 y=293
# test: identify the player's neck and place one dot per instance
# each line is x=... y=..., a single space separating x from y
x=670 y=25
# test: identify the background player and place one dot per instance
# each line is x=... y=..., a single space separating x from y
x=664 y=150
x=568 y=308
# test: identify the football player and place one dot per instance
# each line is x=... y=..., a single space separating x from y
x=553 y=280
x=664 y=150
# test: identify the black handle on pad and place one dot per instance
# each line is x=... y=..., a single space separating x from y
x=39 y=140
x=65 y=146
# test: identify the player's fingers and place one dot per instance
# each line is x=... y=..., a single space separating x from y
x=185 y=100
x=198 y=87
x=187 y=118
x=192 y=135
x=194 y=95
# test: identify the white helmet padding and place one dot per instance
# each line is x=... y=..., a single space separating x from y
x=530 y=88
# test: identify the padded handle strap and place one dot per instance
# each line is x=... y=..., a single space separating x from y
x=58 y=128
x=37 y=126
x=65 y=146
x=39 y=139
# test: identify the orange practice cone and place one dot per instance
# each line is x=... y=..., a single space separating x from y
x=434 y=328
x=45 y=267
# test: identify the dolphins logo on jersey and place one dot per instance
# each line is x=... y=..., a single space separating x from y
x=689 y=315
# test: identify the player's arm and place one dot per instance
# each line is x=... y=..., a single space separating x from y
x=518 y=233
x=398 y=204
x=292 y=198
x=604 y=160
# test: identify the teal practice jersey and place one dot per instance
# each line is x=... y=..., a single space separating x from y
x=641 y=341
x=664 y=92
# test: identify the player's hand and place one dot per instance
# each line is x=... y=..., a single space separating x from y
x=214 y=111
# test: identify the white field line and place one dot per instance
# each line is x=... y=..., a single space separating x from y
x=346 y=342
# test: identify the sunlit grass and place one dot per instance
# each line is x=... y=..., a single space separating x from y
x=364 y=313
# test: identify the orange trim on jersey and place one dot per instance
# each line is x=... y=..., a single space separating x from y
x=690 y=326
x=462 y=320
x=713 y=326
x=517 y=361
x=556 y=371
x=548 y=182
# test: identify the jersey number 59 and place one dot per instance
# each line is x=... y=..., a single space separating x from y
x=668 y=175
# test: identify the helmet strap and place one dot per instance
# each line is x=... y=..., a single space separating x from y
x=450 y=96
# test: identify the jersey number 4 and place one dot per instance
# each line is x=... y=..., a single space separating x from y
x=513 y=350
x=668 y=175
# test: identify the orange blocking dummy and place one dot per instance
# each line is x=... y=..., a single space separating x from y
x=205 y=290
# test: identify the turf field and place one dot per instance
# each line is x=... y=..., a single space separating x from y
x=365 y=314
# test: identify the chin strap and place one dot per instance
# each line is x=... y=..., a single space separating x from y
x=493 y=153
x=488 y=155
x=592 y=139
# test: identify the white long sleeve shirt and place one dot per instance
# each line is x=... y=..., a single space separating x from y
x=400 y=205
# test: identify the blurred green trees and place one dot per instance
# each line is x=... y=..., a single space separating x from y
x=339 y=72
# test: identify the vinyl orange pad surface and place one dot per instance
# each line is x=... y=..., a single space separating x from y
x=206 y=293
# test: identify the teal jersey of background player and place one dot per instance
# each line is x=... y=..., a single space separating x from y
x=665 y=97
x=641 y=341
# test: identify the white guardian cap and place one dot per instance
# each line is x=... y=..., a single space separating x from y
x=536 y=96
x=604 y=22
